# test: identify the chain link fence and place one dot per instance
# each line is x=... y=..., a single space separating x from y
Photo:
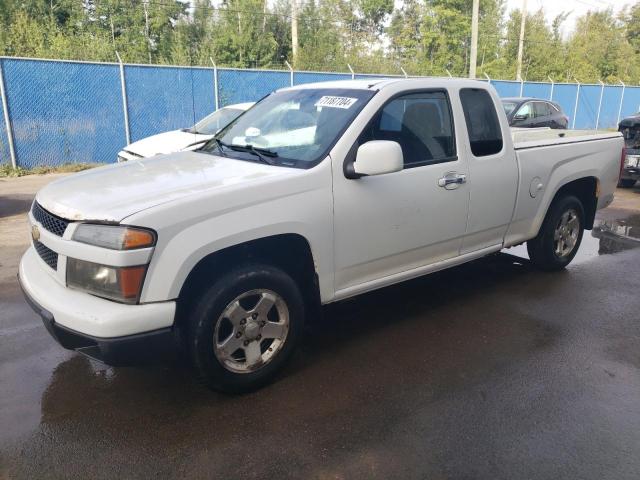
x=63 y=112
x=5 y=156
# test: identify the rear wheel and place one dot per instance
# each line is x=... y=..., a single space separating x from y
x=560 y=235
x=626 y=183
x=245 y=327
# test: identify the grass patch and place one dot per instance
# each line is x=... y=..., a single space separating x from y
x=9 y=171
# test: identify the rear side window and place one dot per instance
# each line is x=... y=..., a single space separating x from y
x=542 y=109
x=485 y=135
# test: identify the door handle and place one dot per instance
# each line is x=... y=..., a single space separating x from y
x=452 y=180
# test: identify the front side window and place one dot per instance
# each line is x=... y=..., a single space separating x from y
x=421 y=123
x=291 y=127
x=525 y=112
x=483 y=126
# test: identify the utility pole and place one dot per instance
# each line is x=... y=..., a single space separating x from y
x=474 y=39
x=294 y=32
x=145 y=6
x=521 y=41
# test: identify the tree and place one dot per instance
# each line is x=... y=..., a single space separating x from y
x=599 y=49
x=425 y=37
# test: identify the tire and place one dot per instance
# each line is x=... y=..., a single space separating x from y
x=544 y=251
x=228 y=313
x=626 y=183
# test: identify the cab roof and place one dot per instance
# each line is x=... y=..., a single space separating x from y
x=380 y=83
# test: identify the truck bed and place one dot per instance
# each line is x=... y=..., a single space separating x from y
x=549 y=157
x=537 y=137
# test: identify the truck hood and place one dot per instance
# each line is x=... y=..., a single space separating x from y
x=167 y=142
x=116 y=191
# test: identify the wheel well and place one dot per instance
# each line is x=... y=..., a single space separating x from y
x=586 y=191
x=290 y=252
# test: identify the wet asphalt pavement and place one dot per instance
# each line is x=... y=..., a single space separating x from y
x=491 y=370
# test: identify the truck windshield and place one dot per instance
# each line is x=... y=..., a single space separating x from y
x=293 y=127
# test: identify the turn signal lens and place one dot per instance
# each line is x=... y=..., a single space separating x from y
x=135 y=238
x=131 y=279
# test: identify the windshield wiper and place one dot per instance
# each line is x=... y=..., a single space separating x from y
x=261 y=153
x=194 y=143
x=220 y=144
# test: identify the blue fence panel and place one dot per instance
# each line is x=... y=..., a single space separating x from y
x=64 y=112
x=564 y=94
x=167 y=98
x=506 y=89
x=5 y=157
x=587 y=106
x=631 y=102
x=536 y=90
x=610 y=105
x=237 y=86
x=300 y=78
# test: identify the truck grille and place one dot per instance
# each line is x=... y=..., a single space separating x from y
x=50 y=222
x=46 y=254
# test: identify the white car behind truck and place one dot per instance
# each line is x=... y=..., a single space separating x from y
x=316 y=194
x=184 y=138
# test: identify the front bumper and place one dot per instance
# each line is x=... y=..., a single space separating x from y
x=630 y=173
x=128 y=350
x=100 y=328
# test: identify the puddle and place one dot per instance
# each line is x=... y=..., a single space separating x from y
x=607 y=237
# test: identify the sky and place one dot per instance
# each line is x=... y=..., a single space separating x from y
x=552 y=8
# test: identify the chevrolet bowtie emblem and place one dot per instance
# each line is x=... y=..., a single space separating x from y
x=35 y=233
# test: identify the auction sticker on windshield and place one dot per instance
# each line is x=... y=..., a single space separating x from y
x=335 y=102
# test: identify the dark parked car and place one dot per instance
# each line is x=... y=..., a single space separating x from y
x=534 y=112
x=630 y=129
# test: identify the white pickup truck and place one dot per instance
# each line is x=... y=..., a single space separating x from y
x=316 y=194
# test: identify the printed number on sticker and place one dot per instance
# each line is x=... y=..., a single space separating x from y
x=335 y=102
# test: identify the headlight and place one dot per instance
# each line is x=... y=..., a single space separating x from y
x=114 y=237
x=122 y=284
x=632 y=161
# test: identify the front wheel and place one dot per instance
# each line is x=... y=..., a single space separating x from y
x=245 y=327
x=560 y=235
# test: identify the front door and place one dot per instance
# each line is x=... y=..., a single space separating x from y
x=392 y=223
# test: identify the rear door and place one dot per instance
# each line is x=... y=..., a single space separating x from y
x=557 y=118
x=542 y=114
x=493 y=171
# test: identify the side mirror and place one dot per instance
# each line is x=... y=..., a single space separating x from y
x=520 y=117
x=378 y=157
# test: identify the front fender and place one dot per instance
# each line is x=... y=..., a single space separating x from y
x=190 y=231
